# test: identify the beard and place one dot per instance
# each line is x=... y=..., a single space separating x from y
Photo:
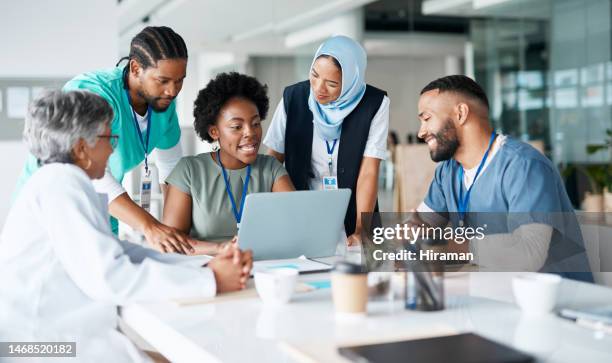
x=154 y=101
x=446 y=141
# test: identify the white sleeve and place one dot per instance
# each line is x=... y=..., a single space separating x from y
x=108 y=185
x=138 y=254
x=96 y=261
x=424 y=208
x=525 y=249
x=431 y=217
x=376 y=146
x=166 y=160
x=275 y=137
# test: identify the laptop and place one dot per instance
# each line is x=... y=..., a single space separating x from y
x=293 y=224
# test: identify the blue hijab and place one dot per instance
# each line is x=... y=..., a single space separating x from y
x=352 y=57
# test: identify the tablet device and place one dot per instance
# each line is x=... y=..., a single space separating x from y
x=293 y=224
x=461 y=348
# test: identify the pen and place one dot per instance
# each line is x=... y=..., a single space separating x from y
x=595 y=325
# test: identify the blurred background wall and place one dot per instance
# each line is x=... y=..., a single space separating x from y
x=546 y=66
x=45 y=43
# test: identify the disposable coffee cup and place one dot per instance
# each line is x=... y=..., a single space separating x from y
x=349 y=288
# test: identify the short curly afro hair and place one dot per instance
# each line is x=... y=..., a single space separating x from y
x=218 y=91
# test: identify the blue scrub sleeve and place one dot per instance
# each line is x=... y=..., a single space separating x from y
x=435 y=196
x=534 y=193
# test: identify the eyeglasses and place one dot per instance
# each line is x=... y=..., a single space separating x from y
x=113 y=139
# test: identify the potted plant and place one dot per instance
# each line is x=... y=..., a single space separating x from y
x=594 y=198
x=600 y=177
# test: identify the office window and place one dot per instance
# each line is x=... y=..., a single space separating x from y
x=15 y=96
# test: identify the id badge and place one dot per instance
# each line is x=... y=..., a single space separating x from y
x=145 y=190
x=330 y=182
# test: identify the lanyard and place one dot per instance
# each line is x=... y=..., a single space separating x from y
x=143 y=142
x=463 y=202
x=330 y=153
x=237 y=213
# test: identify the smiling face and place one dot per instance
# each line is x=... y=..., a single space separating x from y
x=437 y=126
x=238 y=130
x=325 y=80
x=160 y=84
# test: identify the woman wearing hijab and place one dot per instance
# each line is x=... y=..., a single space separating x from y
x=331 y=130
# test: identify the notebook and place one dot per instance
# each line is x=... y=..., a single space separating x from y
x=600 y=314
x=461 y=348
x=302 y=264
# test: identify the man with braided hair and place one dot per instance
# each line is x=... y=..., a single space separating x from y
x=142 y=96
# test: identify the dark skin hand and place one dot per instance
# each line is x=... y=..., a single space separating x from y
x=232 y=269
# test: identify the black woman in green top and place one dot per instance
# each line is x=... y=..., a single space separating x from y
x=206 y=191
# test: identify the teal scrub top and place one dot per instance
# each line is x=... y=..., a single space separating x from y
x=129 y=153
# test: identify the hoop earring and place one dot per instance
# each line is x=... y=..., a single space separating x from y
x=215 y=146
x=89 y=162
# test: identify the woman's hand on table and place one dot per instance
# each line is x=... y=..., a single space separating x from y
x=213 y=248
x=354 y=239
x=168 y=239
x=232 y=268
x=232 y=243
x=246 y=261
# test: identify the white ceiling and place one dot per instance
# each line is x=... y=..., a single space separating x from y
x=259 y=27
x=375 y=43
x=518 y=9
x=213 y=23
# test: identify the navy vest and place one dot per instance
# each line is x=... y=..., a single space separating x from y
x=355 y=130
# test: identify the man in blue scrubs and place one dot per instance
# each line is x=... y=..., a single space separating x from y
x=531 y=225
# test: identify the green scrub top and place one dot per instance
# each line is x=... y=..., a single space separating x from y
x=129 y=153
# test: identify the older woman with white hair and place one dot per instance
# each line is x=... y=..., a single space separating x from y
x=64 y=273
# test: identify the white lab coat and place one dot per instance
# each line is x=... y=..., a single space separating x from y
x=64 y=273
